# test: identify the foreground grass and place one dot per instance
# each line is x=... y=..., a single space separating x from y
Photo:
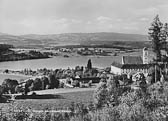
x=54 y=102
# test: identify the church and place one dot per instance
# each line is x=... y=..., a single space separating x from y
x=132 y=64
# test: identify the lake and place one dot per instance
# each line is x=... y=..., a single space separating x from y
x=59 y=62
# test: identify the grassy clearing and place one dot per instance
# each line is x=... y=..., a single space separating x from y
x=12 y=76
x=54 y=102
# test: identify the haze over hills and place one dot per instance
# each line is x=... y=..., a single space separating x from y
x=34 y=40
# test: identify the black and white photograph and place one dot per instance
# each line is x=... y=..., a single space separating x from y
x=83 y=60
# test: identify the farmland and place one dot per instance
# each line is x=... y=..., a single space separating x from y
x=55 y=100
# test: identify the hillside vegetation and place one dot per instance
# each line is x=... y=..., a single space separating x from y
x=36 y=41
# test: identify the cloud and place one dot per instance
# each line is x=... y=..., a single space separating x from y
x=144 y=19
x=40 y=26
x=62 y=16
x=103 y=19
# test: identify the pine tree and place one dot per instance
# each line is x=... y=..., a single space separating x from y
x=158 y=33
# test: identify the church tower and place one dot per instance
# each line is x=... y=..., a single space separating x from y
x=145 y=55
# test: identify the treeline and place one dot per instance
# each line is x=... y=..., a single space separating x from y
x=50 y=79
x=4 y=48
x=10 y=86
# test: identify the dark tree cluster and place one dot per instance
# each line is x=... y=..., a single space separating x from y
x=5 y=47
x=9 y=85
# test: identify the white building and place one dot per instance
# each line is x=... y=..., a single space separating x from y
x=132 y=64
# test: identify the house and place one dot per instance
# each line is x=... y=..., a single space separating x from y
x=132 y=64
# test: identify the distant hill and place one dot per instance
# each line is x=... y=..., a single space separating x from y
x=34 y=40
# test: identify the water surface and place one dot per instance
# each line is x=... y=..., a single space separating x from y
x=59 y=62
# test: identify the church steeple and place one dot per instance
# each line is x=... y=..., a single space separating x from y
x=145 y=55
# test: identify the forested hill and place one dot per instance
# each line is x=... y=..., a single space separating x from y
x=6 y=54
x=34 y=40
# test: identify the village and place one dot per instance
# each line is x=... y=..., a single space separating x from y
x=132 y=69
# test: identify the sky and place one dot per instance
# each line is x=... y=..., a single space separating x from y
x=19 y=17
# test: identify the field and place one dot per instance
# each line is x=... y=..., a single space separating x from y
x=52 y=101
x=12 y=76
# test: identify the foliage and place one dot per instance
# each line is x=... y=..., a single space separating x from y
x=45 y=82
x=132 y=106
x=101 y=95
x=151 y=74
x=19 y=89
x=53 y=81
x=37 y=84
x=158 y=33
x=1 y=90
x=28 y=85
x=89 y=64
x=9 y=85
x=5 y=47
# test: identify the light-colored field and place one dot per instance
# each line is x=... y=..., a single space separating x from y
x=53 y=99
x=62 y=90
x=12 y=76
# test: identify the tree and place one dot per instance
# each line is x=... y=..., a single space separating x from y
x=152 y=72
x=1 y=90
x=101 y=95
x=9 y=85
x=37 y=84
x=28 y=86
x=45 y=82
x=158 y=33
x=53 y=81
x=89 y=64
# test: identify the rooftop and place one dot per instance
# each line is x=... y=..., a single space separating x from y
x=132 y=60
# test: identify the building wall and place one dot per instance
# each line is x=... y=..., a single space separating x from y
x=116 y=70
x=128 y=71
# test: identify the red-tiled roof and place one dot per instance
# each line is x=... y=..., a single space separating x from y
x=132 y=60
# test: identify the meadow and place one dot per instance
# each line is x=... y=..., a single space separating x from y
x=51 y=101
x=12 y=76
